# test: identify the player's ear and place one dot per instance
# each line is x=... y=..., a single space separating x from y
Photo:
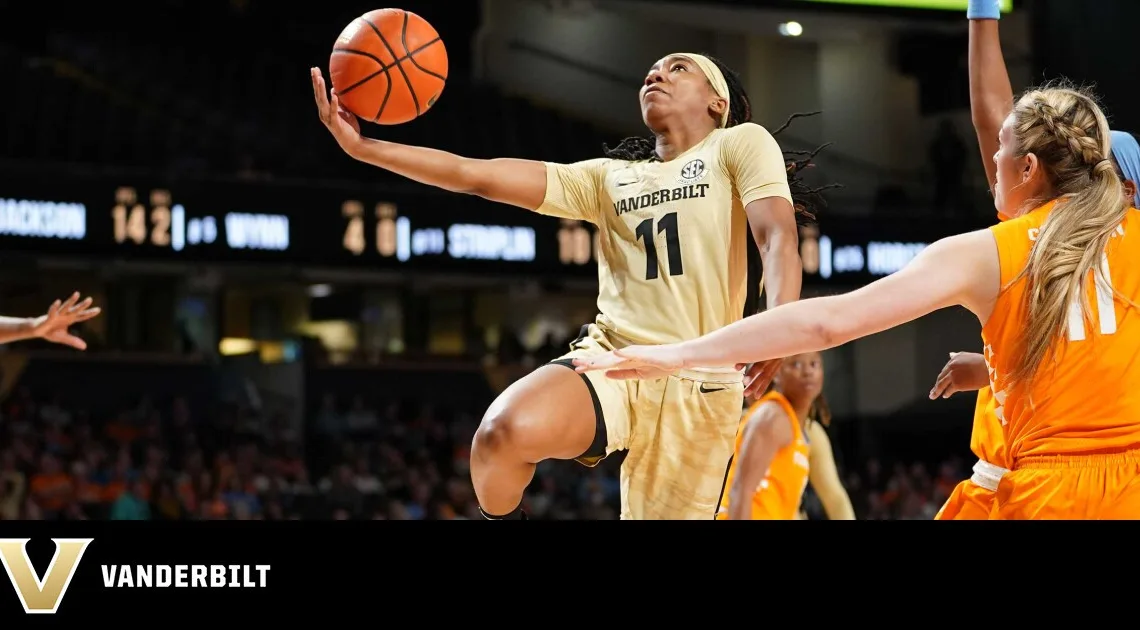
x=1130 y=189
x=1031 y=168
x=718 y=106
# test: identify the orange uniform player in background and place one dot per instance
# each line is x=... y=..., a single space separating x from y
x=781 y=446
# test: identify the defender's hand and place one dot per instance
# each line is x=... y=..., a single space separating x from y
x=964 y=372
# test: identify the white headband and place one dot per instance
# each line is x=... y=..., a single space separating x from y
x=715 y=77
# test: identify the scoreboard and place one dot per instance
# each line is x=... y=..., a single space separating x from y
x=409 y=230
x=286 y=224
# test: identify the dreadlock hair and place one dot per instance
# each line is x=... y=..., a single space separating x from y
x=805 y=199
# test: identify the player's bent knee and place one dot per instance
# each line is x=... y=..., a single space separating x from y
x=502 y=433
x=493 y=435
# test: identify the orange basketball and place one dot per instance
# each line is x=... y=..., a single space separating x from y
x=388 y=66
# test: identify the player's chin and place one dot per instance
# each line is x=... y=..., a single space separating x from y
x=653 y=113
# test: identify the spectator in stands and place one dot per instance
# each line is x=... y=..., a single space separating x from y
x=131 y=504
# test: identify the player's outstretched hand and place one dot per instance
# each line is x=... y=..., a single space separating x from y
x=634 y=362
x=61 y=316
x=759 y=376
x=341 y=124
x=964 y=372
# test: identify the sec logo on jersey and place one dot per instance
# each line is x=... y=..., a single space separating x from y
x=693 y=171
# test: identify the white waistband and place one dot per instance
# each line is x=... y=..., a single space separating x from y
x=987 y=475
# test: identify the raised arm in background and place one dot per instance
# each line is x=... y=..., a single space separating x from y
x=991 y=94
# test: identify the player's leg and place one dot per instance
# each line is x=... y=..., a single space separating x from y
x=676 y=466
x=552 y=413
x=548 y=414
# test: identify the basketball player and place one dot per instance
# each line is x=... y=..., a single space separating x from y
x=991 y=98
x=782 y=444
x=1055 y=287
x=52 y=326
x=673 y=214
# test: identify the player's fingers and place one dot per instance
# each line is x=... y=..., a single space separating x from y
x=753 y=380
x=71 y=301
x=758 y=384
x=54 y=308
x=944 y=381
x=319 y=94
x=624 y=374
x=71 y=340
x=769 y=371
x=944 y=374
x=937 y=390
x=600 y=362
x=80 y=307
x=83 y=316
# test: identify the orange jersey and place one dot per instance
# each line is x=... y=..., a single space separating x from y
x=1085 y=397
x=782 y=488
x=986 y=439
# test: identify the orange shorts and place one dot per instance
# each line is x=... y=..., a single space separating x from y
x=968 y=502
x=1078 y=487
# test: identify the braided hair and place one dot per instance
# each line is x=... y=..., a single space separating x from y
x=805 y=198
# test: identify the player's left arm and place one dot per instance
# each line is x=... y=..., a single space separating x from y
x=824 y=476
x=958 y=270
x=756 y=165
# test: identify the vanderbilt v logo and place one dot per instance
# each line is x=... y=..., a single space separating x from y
x=41 y=596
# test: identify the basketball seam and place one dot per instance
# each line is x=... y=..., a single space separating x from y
x=385 y=67
x=407 y=81
x=411 y=55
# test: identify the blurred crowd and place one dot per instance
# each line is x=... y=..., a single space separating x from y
x=163 y=461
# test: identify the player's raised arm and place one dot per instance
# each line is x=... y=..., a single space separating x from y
x=824 y=476
x=516 y=182
x=991 y=95
x=765 y=433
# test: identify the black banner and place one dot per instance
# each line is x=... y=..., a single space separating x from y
x=285 y=224
x=394 y=574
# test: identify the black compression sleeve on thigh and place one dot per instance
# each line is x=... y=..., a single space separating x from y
x=516 y=514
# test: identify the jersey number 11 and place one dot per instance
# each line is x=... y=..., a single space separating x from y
x=645 y=232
